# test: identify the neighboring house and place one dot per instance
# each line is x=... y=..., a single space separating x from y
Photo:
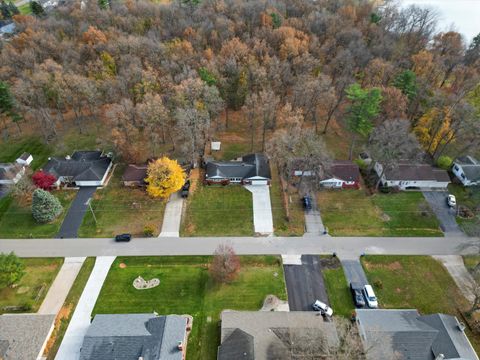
x=279 y=335
x=405 y=334
x=25 y=159
x=413 y=177
x=24 y=336
x=252 y=169
x=134 y=175
x=345 y=174
x=467 y=170
x=10 y=174
x=136 y=336
x=83 y=168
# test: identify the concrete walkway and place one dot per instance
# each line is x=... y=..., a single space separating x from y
x=313 y=220
x=72 y=342
x=172 y=217
x=76 y=212
x=58 y=292
x=262 y=209
x=457 y=270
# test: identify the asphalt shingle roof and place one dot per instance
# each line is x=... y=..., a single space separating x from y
x=470 y=166
x=416 y=172
x=250 y=166
x=82 y=166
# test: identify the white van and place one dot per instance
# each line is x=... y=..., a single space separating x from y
x=370 y=297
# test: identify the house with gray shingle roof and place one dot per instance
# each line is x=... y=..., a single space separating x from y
x=83 y=168
x=405 y=334
x=135 y=336
x=467 y=170
x=24 y=336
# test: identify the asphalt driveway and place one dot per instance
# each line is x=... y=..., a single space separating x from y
x=305 y=284
x=445 y=214
x=354 y=271
x=73 y=219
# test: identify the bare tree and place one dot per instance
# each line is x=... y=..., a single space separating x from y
x=225 y=265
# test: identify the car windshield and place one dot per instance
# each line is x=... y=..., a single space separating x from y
x=373 y=298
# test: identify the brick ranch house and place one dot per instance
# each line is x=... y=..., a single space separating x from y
x=253 y=169
x=343 y=174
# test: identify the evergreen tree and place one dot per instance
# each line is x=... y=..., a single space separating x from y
x=103 y=4
x=4 y=10
x=13 y=9
x=36 y=8
x=407 y=83
x=45 y=206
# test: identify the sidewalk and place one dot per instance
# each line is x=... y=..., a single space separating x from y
x=61 y=285
x=457 y=270
x=172 y=217
x=73 y=339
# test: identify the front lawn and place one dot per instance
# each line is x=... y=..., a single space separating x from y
x=218 y=211
x=12 y=149
x=119 y=209
x=469 y=197
x=353 y=213
x=17 y=220
x=337 y=287
x=186 y=288
x=28 y=294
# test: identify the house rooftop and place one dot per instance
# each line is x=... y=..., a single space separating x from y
x=417 y=172
x=345 y=170
x=9 y=171
x=22 y=336
x=134 y=336
x=249 y=166
x=135 y=172
x=470 y=167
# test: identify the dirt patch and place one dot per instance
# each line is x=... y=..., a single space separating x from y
x=63 y=314
x=23 y=290
x=194 y=177
x=330 y=263
x=398 y=290
x=385 y=217
x=394 y=266
x=122 y=265
x=272 y=303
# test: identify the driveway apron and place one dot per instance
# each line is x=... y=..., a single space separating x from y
x=172 y=217
x=73 y=219
x=262 y=209
x=445 y=215
x=305 y=284
x=73 y=339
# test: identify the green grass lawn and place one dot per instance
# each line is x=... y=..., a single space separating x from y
x=12 y=149
x=120 y=209
x=66 y=313
x=32 y=288
x=186 y=288
x=218 y=211
x=353 y=213
x=295 y=226
x=338 y=290
x=469 y=197
x=17 y=220
x=471 y=261
x=25 y=9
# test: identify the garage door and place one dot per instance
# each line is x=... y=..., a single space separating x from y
x=259 y=182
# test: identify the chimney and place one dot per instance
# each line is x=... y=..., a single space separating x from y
x=461 y=326
x=440 y=357
x=67 y=157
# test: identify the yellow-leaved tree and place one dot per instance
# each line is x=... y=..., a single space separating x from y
x=434 y=129
x=164 y=177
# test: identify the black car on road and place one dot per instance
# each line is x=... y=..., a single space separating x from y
x=307 y=202
x=185 y=189
x=357 y=295
x=123 y=237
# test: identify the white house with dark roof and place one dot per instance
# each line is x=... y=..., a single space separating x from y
x=10 y=174
x=467 y=170
x=25 y=159
x=405 y=334
x=83 y=168
x=407 y=176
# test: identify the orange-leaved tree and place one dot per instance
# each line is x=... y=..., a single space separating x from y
x=164 y=177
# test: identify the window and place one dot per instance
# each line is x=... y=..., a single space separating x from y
x=456 y=167
x=463 y=176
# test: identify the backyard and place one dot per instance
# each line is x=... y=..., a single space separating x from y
x=28 y=294
x=353 y=213
x=218 y=211
x=186 y=288
x=119 y=209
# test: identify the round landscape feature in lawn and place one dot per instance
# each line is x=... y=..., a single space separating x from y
x=141 y=284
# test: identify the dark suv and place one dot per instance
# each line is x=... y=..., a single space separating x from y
x=307 y=202
x=356 y=290
x=185 y=189
x=123 y=237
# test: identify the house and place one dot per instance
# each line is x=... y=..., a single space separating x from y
x=467 y=170
x=10 y=174
x=83 y=168
x=24 y=336
x=253 y=169
x=405 y=334
x=279 y=335
x=134 y=175
x=345 y=175
x=25 y=159
x=407 y=176
x=136 y=336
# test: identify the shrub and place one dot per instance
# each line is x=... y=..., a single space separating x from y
x=11 y=269
x=444 y=162
x=45 y=206
x=43 y=180
x=361 y=164
x=378 y=284
x=148 y=230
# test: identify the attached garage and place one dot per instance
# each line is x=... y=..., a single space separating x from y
x=259 y=182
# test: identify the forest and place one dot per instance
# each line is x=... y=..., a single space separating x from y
x=159 y=77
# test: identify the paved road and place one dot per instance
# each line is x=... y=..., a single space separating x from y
x=172 y=217
x=345 y=247
x=73 y=219
x=78 y=326
x=445 y=215
x=305 y=284
x=58 y=292
x=354 y=271
x=262 y=208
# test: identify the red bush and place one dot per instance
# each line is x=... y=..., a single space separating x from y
x=43 y=180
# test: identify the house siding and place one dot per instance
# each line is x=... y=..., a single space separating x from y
x=460 y=174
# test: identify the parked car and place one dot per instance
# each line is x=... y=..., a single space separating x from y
x=451 y=200
x=356 y=290
x=123 y=237
x=322 y=307
x=307 y=202
x=370 y=297
x=185 y=189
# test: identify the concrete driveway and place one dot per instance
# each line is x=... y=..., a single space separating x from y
x=305 y=284
x=354 y=271
x=445 y=214
x=313 y=220
x=262 y=209
x=172 y=217
x=73 y=219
